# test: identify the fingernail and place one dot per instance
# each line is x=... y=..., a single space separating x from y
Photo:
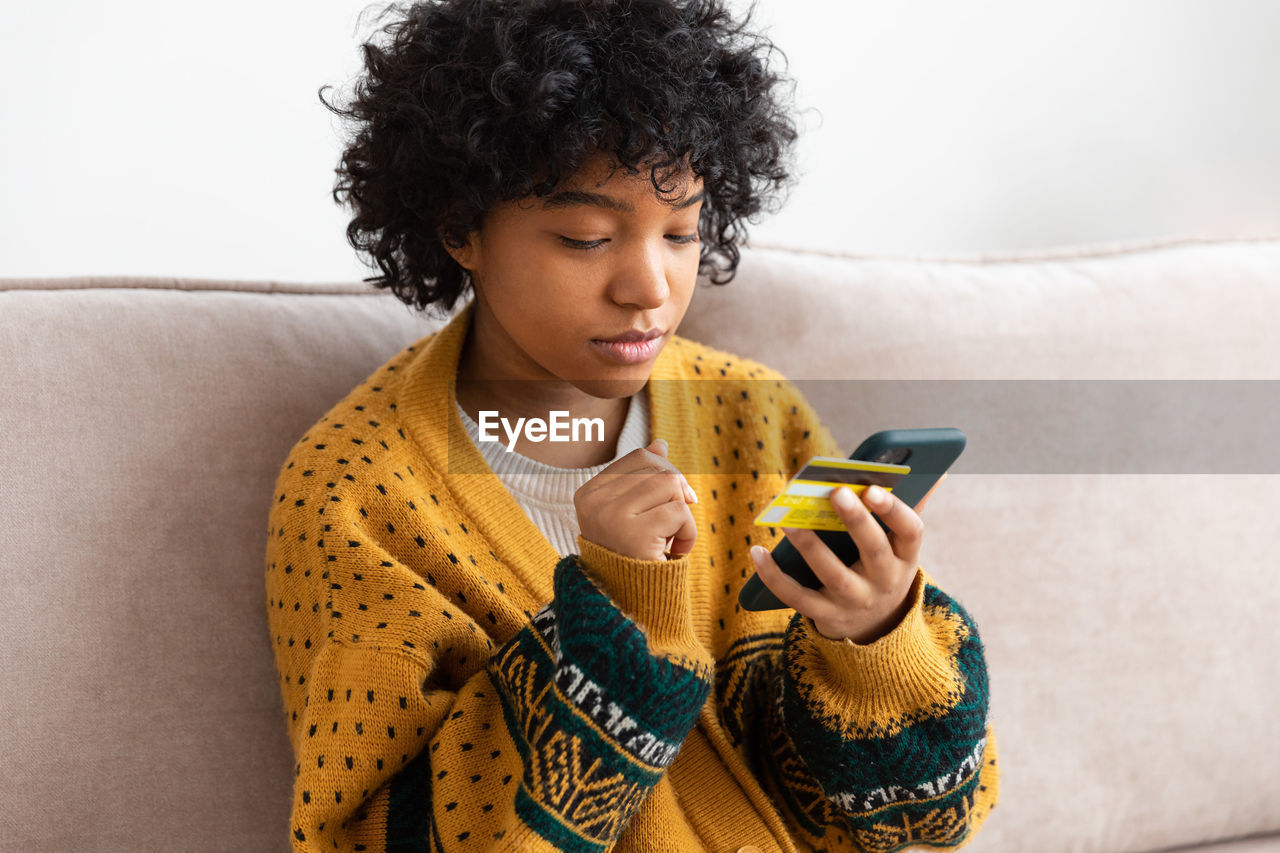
x=877 y=495
x=757 y=554
x=842 y=498
x=693 y=496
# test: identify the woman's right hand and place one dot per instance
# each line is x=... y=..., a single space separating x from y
x=639 y=506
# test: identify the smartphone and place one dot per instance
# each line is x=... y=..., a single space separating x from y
x=928 y=452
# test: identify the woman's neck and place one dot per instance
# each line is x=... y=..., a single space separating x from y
x=513 y=399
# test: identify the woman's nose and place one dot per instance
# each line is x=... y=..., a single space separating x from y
x=641 y=278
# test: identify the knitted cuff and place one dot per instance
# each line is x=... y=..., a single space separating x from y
x=907 y=669
x=652 y=593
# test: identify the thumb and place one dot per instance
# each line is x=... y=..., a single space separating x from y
x=658 y=446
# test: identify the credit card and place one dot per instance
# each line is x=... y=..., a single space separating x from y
x=805 y=502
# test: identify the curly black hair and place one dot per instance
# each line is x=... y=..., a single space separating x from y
x=476 y=102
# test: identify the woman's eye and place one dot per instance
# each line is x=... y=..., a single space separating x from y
x=583 y=245
x=588 y=245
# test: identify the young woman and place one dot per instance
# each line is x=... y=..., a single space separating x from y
x=528 y=644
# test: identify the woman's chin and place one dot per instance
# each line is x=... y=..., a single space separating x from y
x=613 y=388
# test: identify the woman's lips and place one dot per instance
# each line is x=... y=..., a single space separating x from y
x=629 y=352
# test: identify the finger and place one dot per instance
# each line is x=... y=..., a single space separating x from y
x=659 y=447
x=906 y=527
x=645 y=493
x=805 y=601
x=842 y=582
x=681 y=545
x=924 y=500
x=676 y=522
x=649 y=459
x=874 y=551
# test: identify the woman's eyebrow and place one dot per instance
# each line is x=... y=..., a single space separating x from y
x=575 y=198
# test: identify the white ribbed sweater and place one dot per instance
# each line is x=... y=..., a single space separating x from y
x=545 y=492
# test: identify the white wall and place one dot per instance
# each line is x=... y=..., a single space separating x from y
x=994 y=124
x=169 y=139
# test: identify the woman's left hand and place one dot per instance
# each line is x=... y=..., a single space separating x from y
x=867 y=600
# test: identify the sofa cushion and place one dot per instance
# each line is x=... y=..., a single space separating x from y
x=1259 y=844
x=142 y=428
x=1171 y=309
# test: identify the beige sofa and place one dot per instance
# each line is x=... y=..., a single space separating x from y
x=1125 y=586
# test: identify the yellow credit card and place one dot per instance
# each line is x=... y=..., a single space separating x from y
x=805 y=502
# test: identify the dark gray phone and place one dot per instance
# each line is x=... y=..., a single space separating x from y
x=928 y=452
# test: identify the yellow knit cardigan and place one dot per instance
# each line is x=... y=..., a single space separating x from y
x=450 y=683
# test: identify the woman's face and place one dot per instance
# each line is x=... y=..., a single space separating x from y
x=557 y=277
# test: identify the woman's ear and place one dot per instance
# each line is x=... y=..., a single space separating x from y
x=462 y=249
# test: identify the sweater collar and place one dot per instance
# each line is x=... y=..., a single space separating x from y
x=528 y=479
x=427 y=407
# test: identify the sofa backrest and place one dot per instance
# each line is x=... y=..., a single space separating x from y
x=1129 y=615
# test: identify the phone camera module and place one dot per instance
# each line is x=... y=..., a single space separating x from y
x=893 y=456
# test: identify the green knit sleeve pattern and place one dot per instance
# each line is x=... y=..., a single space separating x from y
x=596 y=713
x=876 y=748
